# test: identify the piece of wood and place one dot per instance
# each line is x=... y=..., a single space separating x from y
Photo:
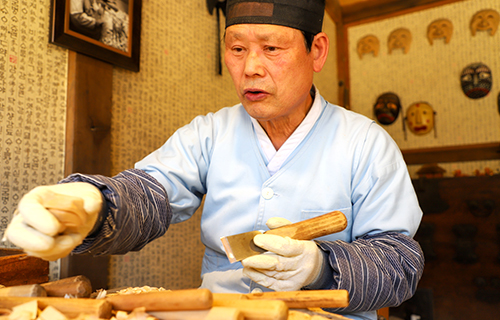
x=306 y=298
x=224 y=313
x=51 y=313
x=215 y=313
x=17 y=268
x=180 y=315
x=175 y=300
x=78 y=286
x=28 y=290
x=316 y=227
x=257 y=309
x=302 y=299
x=71 y=308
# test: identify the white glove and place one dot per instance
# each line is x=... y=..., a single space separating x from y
x=289 y=265
x=52 y=220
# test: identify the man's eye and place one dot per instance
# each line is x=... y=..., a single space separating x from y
x=271 y=49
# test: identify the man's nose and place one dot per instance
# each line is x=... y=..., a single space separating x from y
x=253 y=65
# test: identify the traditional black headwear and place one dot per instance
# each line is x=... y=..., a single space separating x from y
x=304 y=15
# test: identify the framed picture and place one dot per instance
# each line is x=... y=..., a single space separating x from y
x=109 y=30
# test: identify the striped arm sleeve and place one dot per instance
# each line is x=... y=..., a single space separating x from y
x=378 y=271
x=137 y=212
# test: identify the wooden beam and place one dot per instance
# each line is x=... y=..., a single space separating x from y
x=88 y=123
x=334 y=10
x=476 y=152
x=88 y=143
x=371 y=10
x=343 y=66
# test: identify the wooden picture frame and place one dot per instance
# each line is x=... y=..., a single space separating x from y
x=108 y=30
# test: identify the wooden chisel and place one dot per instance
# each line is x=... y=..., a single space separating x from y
x=241 y=246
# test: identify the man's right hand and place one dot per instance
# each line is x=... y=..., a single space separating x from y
x=52 y=220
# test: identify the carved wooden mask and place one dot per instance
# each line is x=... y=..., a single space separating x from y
x=399 y=39
x=420 y=118
x=476 y=80
x=387 y=108
x=442 y=28
x=368 y=44
x=485 y=20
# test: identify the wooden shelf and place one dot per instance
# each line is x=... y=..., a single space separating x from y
x=476 y=152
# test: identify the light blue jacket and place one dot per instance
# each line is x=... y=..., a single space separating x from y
x=347 y=162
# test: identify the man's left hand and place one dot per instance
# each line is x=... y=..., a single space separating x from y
x=289 y=265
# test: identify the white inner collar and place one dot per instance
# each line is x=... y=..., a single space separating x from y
x=275 y=158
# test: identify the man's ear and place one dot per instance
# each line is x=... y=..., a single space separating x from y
x=319 y=50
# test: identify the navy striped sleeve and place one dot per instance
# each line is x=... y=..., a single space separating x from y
x=137 y=212
x=378 y=271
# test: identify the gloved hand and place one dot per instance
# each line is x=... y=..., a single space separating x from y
x=289 y=265
x=51 y=221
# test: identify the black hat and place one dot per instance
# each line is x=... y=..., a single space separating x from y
x=305 y=15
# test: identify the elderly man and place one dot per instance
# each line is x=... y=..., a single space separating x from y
x=284 y=152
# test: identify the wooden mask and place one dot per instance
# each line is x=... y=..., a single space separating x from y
x=420 y=118
x=387 y=108
x=476 y=80
x=399 y=39
x=439 y=29
x=485 y=20
x=368 y=44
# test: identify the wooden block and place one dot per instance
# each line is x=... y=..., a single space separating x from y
x=17 y=268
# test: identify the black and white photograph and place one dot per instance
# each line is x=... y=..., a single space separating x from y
x=108 y=30
x=106 y=21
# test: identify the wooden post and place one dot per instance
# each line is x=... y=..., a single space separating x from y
x=88 y=143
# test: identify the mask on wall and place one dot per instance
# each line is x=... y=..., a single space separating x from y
x=485 y=20
x=476 y=80
x=399 y=39
x=368 y=44
x=420 y=118
x=439 y=29
x=387 y=108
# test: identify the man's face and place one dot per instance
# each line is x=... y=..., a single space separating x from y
x=271 y=70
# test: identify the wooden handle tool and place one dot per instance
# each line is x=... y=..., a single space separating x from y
x=241 y=246
x=175 y=300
